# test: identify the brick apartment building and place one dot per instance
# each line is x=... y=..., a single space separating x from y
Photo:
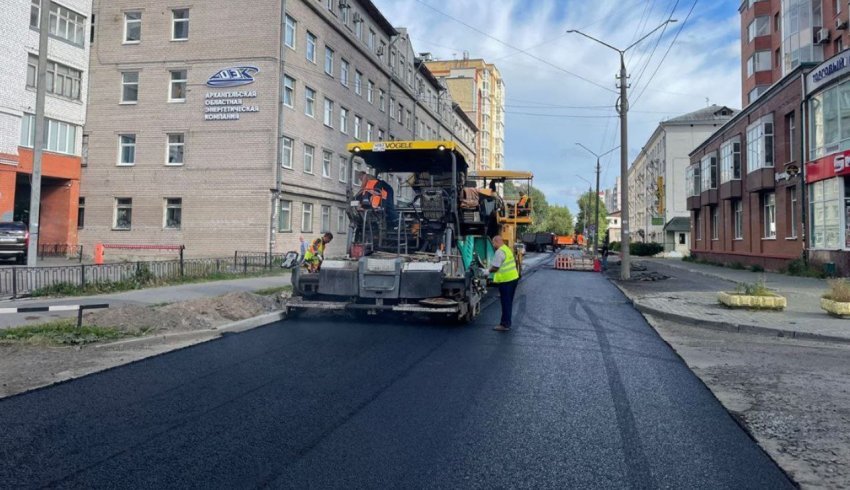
x=764 y=189
x=198 y=110
x=65 y=111
x=480 y=90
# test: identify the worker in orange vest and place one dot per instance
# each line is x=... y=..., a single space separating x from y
x=377 y=194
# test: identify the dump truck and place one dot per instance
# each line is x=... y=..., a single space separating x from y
x=427 y=253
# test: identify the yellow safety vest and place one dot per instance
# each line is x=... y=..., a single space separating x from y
x=507 y=271
x=316 y=248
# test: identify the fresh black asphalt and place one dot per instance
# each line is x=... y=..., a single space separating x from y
x=581 y=394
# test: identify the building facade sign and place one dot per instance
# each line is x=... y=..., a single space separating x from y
x=828 y=71
x=230 y=105
x=828 y=167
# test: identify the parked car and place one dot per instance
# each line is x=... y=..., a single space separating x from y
x=14 y=240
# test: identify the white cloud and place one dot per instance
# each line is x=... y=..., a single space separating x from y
x=703 y=63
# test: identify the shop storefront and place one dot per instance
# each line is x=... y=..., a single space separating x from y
x=828 y=166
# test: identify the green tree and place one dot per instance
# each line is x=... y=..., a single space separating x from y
x=586 y=206
x=559 y=220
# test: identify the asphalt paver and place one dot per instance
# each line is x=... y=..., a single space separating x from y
x=582 y=393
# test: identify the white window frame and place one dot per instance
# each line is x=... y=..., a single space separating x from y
x=328 y=111
x=738 y=218
x=284 y=226
x=177 y=82
x=127 y=22
x=715 y=222
x=769 y=211
x=343 y=120
x=341 y=226
x=730 y=157
x=117 y=205
x=761 y=151
x=760 y=26
x=307 y=223
x=125 y=84
x=169 y=144
x=358 y=83
x=370 y=92
x=708 y=172
x=325 y=221
x=329 y=60
x=358 y=126
x=181 y=20
x=343 y=169
x=290 y=32
x=344 y=68
x=122 y=145
x=309 y=158
x=792 y=214
x=289 y=91
x=327 y=163
x=309 y=102
x=287 y=152
x=59 y=137
x=171 y=203
x=310 y=52
x=756 y=62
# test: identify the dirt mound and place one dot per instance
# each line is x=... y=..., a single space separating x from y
x=198 y=314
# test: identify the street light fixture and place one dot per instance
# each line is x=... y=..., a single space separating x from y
x=623 y=110
x=596 y=208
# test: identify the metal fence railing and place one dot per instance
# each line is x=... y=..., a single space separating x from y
x=23 y=281
x=60 y=250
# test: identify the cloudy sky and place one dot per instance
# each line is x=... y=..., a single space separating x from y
x=561 y=90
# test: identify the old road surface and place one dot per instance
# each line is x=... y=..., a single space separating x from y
x=581 y=394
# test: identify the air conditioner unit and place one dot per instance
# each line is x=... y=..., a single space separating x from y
x=821 y=35
x=840 y=24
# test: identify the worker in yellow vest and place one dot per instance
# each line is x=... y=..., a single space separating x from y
x=506 y=277
x=315 y=253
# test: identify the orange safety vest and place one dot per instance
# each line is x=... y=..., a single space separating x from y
x=523 y=201
x=376 y=197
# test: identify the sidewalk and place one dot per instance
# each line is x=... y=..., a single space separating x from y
x=690 y=296
x=151 y=296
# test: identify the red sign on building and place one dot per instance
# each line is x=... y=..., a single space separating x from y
x=828 y=167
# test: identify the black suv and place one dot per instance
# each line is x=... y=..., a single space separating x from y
x=14 y=240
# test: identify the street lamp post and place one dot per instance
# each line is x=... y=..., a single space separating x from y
x=596 y=208
x=623 y=110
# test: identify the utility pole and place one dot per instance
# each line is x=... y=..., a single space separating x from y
x=278 y=175
x=598 y=170
x=623 y=111
x=38 y=143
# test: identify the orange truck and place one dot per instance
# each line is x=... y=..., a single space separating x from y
x=563 y=241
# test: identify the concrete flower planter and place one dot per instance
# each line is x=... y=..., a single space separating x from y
x=735 y=300
x=835 y=308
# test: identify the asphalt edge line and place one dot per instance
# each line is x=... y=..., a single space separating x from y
x=233 y=327
x=736 y=418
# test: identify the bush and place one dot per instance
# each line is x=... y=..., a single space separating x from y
x=645 y=249
x=614 y=246
x=737 y=266
x=839 y=290
x=756 y=268
x=753 y=289
x=798 y=267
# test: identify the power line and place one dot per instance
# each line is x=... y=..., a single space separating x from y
x=566 y=116
x=681 y=28
x=657 y=43
x=546 y=62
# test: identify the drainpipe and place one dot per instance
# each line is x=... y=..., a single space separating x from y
x=803 y=157
x=273 y=225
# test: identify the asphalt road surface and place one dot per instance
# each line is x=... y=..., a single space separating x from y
x=581 y=394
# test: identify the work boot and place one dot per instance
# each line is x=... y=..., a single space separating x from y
x=501 y=328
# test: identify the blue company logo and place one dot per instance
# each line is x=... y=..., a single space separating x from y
x=234 y=76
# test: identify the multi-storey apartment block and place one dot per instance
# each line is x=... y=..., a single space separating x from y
x=65 y=112
x=479 y=89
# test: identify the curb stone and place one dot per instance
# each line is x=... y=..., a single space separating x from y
x=235 y=327
x=728 y=327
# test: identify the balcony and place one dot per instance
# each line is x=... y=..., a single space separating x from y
x=761 y=179
x=731 y=190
